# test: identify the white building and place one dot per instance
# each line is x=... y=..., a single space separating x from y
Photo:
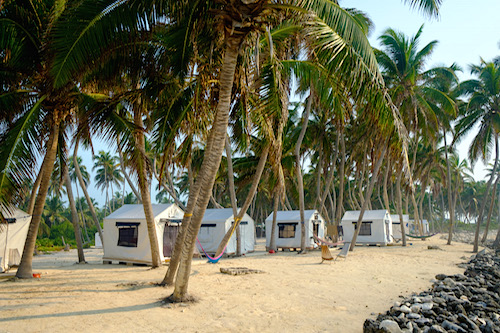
x=396 y=225
x=376 y=227
x=12 y=237
x=215 y=224
x=288 y=228
x=126 y=238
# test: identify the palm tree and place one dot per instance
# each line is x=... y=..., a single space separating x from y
x=107 y=174
x=483 y=108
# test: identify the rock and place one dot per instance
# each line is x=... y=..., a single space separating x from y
x=433 y=247
x=416 y=308
x=441 y=277
x=417 y=299
x=436 y=329
x=427 y=306
x=397 y=304
x=390 y=326
x=370 y=326
x=413 y=316
x=447 y=325
x=470 y=324
x=449 y=282
x=427 y=299
x=423 y=321
x=405 y=309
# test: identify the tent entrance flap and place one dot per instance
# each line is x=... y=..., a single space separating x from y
x=169 y=235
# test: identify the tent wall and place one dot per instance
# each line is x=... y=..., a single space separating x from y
x=214 y=226
x=287 y=221
x=378 y=227
x=12 y=238
x=396 y=225
x=129 y=220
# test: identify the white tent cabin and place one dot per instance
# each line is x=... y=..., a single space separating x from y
x=126 y=238
x=396 y=225
x=376 y=227
x=215 y=224
x=414 y=230
x=288 y=228
x=12 y=237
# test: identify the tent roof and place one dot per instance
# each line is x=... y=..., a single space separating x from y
x=218 y=214
x=14 y=213
x=291 y=215
x=368 y=215
x=136 y=211
x=395 y=218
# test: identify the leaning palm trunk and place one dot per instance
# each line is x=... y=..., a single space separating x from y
x=140 y=145
x=232 y=194
x=340 y=199
x=211 y=163
x=384 y=186
x=400 y=206
x=368 y=195
x=272 y=243
x=483 y=204
x=450 y=194
x=25 y=267
x=298 y=169
x=34 y=190
x=74 y=216
x=490 y=211
x=85 y=193
x=248 y=200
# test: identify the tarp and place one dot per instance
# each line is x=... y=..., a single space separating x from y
x=376 y=227
x=12 y=238
x=215 y=224
x=126 y=235
x=289 y=223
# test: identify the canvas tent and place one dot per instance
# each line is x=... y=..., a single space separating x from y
x=215 y=224
x=414 y=230
x=376 y=227
x=396 y=225
x=288 y=228
x=12 y=237
x=125 y=233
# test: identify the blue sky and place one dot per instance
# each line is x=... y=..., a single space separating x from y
x=466 y=30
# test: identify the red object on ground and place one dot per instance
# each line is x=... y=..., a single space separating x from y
x=36 y=275
x=271 y=251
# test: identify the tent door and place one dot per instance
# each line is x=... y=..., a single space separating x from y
x=169 y=236
x=387 y=233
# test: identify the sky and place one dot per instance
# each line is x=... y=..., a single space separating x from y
x=466 y=31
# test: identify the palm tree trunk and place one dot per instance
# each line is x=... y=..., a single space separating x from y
x=298 y=171
x=331 y=175
x=85 y=193
x=249 y=198
x=400 y=206
x=125 y=174
x=143 y=177
x=272 y=243
x=232 y=194
x=368 y=194
x=450 y=194
x=490 y=210
x=34 y=191
x=74 y=216
x=384 y=185
x=211 y=163
x=25 y=267
x=483 y=204
x=340 y=199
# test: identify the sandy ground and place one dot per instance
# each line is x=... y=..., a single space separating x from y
x=295 y=294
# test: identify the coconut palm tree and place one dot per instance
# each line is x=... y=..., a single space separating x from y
x=483 y=108
x=107 y=173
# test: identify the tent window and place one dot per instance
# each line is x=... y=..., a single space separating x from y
x=287 y=230
x=127 y=234
x=241 y=223
x=208 y=225
x=366 y=228
x=10 y=220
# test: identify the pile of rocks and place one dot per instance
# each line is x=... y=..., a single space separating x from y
x=459 y=303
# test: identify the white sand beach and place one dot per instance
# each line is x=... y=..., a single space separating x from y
x=295 y=294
